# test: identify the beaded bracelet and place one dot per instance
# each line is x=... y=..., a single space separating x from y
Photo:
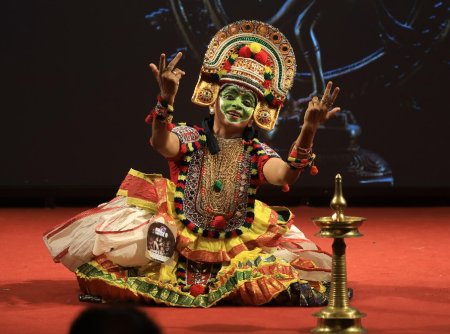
x=164 y=104
x=162 y=112
x=299 y=158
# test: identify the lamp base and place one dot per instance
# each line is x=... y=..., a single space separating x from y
x=339 y=326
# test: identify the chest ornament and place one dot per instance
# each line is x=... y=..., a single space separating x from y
x=215 y=194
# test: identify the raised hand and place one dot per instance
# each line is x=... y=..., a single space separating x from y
x=320 y=111
x=168 y=77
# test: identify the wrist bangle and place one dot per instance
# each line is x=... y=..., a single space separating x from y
x=162 y=112
x=164 y=103
x=299 y=158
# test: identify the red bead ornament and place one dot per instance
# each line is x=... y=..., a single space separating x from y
x=266 y=83
x=219 y=223
x=245 y=52
x=197 y=289
x=293 y=154
x=314 y=170
x=285 y=188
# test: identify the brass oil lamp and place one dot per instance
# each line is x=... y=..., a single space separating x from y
x=338 y=316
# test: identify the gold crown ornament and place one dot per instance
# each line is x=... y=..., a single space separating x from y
x=254 y=55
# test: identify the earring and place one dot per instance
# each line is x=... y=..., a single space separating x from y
x=211 y=110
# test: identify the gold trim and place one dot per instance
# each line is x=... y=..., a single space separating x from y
x=205 y=93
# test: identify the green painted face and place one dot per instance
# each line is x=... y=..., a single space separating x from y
x=236 y=103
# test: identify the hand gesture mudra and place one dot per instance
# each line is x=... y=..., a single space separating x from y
x=320 y=111
x=168 y=77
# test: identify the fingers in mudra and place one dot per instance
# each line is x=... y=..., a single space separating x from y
x=178 y=73
x=163 y=68
x=171 y=71
x=322 y=110
x=172 y=77
x=173 y=62
x=168 y=75
x=315 y=101
x=329 y=98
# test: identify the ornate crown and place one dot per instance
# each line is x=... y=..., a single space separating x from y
x=252 y=54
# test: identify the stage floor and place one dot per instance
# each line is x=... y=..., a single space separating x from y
x=399 y=270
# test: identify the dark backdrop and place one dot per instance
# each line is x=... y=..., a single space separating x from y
x=76 y=88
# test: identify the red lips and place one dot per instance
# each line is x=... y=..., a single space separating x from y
x=234 y=113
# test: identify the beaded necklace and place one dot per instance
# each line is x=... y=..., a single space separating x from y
x=188 y=192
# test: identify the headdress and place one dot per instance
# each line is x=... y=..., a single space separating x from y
x=252 y=54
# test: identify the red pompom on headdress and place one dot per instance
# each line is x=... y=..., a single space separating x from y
x=245 y=52
x=262 y=57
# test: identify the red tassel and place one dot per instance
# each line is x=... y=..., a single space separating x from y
x=314 y=170
x=285 y=188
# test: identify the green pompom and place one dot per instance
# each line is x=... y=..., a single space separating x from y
x=215 y=77
x=269 y=97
